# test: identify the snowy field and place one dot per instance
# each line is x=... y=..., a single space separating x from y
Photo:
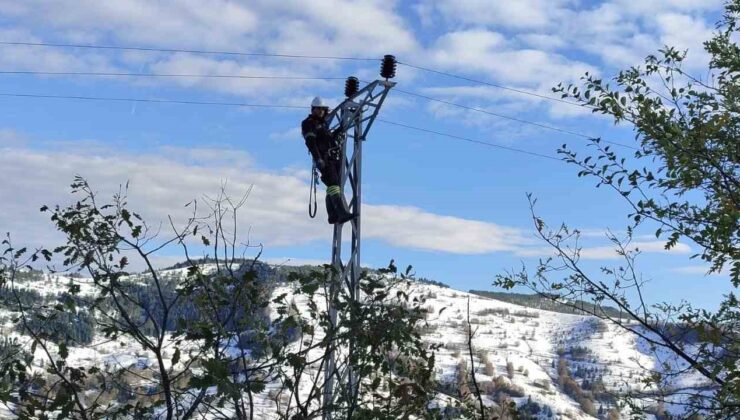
x=517 y=345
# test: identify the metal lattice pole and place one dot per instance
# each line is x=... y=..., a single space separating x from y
x=354 y=118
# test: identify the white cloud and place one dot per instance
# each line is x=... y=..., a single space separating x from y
x=491 y=55
x=512 y=43
x=543 y=41
x=609 y=252
x=275 y=214
x=159 y=186
x=335 y=27
x=651 y=8
x=415 y=228
x=16 y=57
x=201 y=23
x=496 y=44
x=425 y=12
x=328 y=28
x=686 y=32
x=512 y=14
x=240 y=85
x=623 y=32
x=527 y=44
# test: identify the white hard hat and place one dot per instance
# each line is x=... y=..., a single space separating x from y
x=318 y=103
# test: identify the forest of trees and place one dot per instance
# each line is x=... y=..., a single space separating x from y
x=547 y=303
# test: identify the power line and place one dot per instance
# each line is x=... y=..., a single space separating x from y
x=276 y=55
x=481 y=82
x=236 y=76
x=470 y=108
x=252 y=105
x=252 y=54
x=173 y=75
x=508 y=117
x=179 y=50
x=454 y=136
x=148 y=100
x=524 y=92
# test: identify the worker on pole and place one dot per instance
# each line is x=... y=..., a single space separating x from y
x=325 y=149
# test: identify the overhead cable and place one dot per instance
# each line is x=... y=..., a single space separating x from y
x=252 y=105
x=147 y=100
x=508 y=117
x=238 y=76
x=182 y=50
x=496 y=85
x=173 y=75
x=278 y=55
x=469 y=140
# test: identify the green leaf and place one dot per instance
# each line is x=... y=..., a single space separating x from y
x=216 y=368
x=19 y=253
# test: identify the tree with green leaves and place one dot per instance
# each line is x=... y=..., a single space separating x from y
x=212 y=341
x=684 y=182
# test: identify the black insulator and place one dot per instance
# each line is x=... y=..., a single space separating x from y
x=388 y=67
x=351 y=87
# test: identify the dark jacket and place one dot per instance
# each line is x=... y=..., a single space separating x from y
x=318 y=137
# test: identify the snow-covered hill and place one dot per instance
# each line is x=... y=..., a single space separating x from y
x=553 y=365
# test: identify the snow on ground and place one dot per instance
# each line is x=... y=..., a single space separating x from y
x=506 y=333
x=530 y=340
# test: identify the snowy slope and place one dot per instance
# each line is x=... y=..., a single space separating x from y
x=523 y=346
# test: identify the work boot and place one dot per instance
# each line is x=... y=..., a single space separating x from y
x=330 y=210
x=341 y=212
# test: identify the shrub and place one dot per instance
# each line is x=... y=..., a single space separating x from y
x=488 y=368
x=504 y=388
x=544 y=384
x=526 y=314
x=493 y=311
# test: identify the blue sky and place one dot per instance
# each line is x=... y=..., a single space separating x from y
x=456 y=211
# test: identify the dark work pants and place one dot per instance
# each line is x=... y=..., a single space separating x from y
x=335 y=205
x=330 y=175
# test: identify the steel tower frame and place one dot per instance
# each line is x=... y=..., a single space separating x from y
x=353 y=118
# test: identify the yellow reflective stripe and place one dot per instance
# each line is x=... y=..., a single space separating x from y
x=334 y=189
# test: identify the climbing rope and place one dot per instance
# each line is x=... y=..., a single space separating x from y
x=312 y=200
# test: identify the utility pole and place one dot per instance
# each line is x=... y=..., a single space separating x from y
x=353 y=117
